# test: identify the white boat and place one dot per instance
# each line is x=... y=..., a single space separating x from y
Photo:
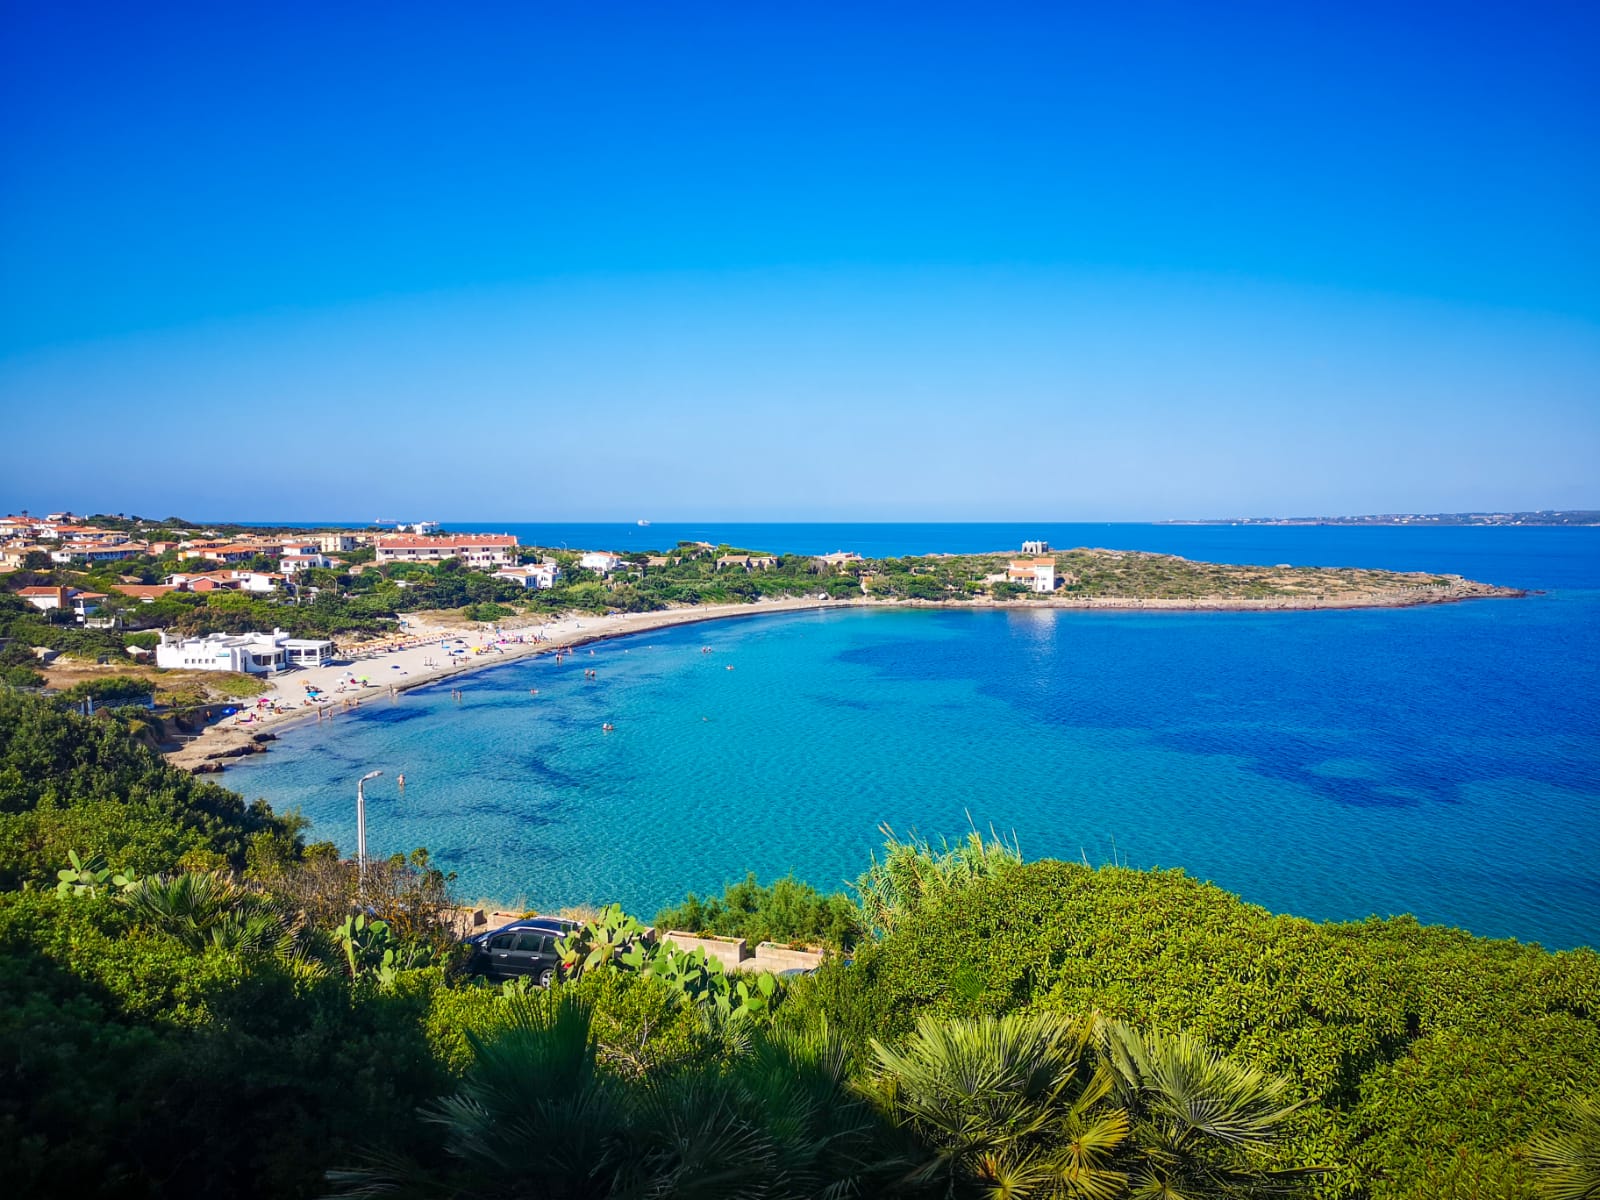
x=644 y=522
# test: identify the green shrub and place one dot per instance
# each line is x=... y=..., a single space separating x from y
x=787 y=910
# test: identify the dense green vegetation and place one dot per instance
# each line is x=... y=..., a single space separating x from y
x=192 y=1002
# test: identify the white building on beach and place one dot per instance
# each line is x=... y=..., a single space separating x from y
x=252 y=653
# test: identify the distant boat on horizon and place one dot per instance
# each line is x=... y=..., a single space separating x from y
x=643 y=522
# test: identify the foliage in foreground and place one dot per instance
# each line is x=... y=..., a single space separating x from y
x=1421 y=1051
x=1024 y=1107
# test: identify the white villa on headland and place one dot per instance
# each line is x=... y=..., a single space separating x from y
x=252 y=653
x=1038 y=574
x=1036 y=547
x=600 y=560
x=474 y=549
x=531 y=575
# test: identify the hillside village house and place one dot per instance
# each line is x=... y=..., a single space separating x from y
x=1036 y=548
x=531 y=575
x=232 y=581
x=226 y=552
x=94 y=552
x=290 y=563
x=145 y=593
x=252 y=653
x=474 y=549
x=83 y=604
x=337 y=543
x=88 y=533
x=599 y=560
x=839 y=558
x=750 y=562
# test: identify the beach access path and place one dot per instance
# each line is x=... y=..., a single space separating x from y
x=427 y=651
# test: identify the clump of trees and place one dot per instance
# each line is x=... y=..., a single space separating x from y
x=788 y=910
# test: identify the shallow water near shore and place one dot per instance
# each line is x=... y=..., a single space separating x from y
x=1443 y=760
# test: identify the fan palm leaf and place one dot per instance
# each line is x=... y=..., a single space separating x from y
x=1568 y=1159
x=1007 y=1104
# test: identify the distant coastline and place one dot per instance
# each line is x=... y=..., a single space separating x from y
x=1554 y=518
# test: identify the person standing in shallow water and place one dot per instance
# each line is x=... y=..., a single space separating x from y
x=401 y=780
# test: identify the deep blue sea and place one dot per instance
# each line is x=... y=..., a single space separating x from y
x=1443 y=761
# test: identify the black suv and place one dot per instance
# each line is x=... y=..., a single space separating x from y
x=522 y=949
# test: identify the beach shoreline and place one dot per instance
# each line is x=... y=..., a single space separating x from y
x=288 y=699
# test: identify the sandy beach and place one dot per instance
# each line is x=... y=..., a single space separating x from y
x=426 y=651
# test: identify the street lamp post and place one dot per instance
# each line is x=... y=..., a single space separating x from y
x=361 y=832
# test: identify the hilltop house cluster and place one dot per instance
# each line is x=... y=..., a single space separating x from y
x=211 y=563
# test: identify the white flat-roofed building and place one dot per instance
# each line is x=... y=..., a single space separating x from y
x=531 y=575
x=255 y=581
x=1039 y=547
x=600 y=560
x=474 y=549
x=290 y=563
x=251 y=653
x=334 y=543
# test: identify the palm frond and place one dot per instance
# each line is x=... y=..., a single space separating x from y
x=1567 y=1159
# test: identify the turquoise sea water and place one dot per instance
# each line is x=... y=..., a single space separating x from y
x=1443 y=761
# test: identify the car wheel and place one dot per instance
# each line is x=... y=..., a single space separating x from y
x=547 y=977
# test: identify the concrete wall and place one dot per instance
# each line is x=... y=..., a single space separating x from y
x=730 y=952
x=775 y=956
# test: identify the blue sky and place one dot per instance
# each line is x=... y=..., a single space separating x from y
x=883 y=261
